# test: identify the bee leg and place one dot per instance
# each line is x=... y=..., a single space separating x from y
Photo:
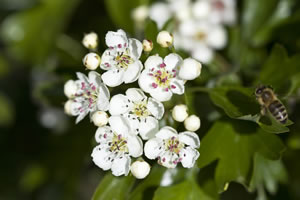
x=263 y=110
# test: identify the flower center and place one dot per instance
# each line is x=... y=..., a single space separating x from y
x=162 y=77
x=90 y=93
x=200 y=35
x=118 y=144
x=123 y=60
x=140 y=109
x=173 y=145
x=219 y=5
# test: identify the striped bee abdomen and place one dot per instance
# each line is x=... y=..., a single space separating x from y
x=278 y=111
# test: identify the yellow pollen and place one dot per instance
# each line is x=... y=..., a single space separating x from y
x=118 y=143
x=140 y=109
x=123 y=60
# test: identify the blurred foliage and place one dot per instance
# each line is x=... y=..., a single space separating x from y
x=40 y=48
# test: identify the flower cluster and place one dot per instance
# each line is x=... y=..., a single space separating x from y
x=199 y=27
x=129 y=123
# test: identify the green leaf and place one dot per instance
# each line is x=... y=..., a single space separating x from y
x=149 y=184
x=267 y=173
x=240 y=103
x=112 y=187
x=7 y=111
x=188 y=190
x=36 y=27
x=4 y=66
x=120 y=12
x=234 y=145
x=278 y=69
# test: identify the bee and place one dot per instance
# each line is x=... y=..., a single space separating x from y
x=269 y=102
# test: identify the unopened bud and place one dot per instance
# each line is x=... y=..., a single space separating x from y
x=91 y=61
x=67 y=107
x=100 y=118
x=70 y=88
x=90 y=40
x=164 y=39
x=147 y=45
x=140 y=169
x=179 y=113
x=190 y=69
x=192 y=123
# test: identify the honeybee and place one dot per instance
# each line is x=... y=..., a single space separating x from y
x=269 y=102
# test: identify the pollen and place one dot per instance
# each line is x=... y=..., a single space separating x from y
x=123 y=60
x=140 y=109
x=173 y=145
x=118 y=144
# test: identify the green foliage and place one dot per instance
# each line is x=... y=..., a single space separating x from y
x=112 y=187
x=7 y=112
x=234 y=145
x=188 y=190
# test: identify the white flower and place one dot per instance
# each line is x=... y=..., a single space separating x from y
x=70 y=88
x=67 y=107
x=139 y=112
x=91 y=95
x=190 y=69
x=100 y=118
x=90 y=40
x=171 y=148
x=121 y=60
x=164 y=39
x=200 y=38
x=147 y=45
x=160 y=77
x=179 y=112
x=91 y=61
x=192 y=123
x=160 y=13
x=140 y=169
x=116 y=145
x=216 y=11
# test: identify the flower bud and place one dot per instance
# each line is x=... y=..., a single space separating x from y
x=140 y=14
x=165 y=39
x=90 y=40
x=67 y=107
x=147 y=45
x=192 y=123
x=190 y=69
x=70 y=88
x=100 y=118
x=91 y=61
x=179 y=113
x=140 y=169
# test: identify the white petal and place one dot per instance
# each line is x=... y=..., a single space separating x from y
x=135 y=94
x=166 y=133
x=121 y=165
x=148 y=128
x=135 y=145
x=172 y=61
x=153 y=148
x=187 y=28
x=189 y=156
x=178 y=86
x=108 y=59
x=203 y=53
x=102 y=158
x=81 y=116
x=167 y=159
x=160 y=94
x=156 y=108
x=189 y=138
x=94 y=78
x=135 y=48
x=153 y=62
x=160 y=13
x=201 y=9
x=145 y=81
x=103 y=133
x=119 y=104
x=103 y=98
x=133 y=71
x=119 y=124
x=113 y=39
x=113 y=77
x=82 y=77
